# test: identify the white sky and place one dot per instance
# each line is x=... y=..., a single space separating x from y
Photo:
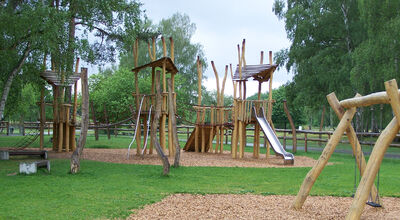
x=221 y=25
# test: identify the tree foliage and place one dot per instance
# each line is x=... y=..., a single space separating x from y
x=117 y=85
x=341 y=46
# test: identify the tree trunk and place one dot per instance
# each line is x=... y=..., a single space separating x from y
x=13 y=73
x=173 y=122
x=75 y=163
x=154 y=125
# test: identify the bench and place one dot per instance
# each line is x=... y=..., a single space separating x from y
x=5 y=155
x=32 y=167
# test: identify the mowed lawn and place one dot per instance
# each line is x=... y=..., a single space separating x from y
x=106 y=190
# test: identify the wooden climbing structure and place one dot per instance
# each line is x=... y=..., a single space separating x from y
x=64 y=112
x=243 y=107
x=345 y=110
x=167 y=68
x=211 y=121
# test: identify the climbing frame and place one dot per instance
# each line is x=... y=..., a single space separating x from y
x=368 y=170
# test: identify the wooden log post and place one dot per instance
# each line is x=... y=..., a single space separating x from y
x=75 y=158
x=74 y=110
x=107 y=121
x=218 y=112
x=387 y=136
x=294 y=138
x=203 y=131
x=153 y=128
x=164 y=104
x=42 y=118
x=313 y=174
x=321 y=125
x=210 y=139
x=61 y=123
x=55 y=117
x=269 y=113
x=173 y=122
x=67 y=128
x=374 y=162
x=222 y=111
x=96 y=130
x=352 y=137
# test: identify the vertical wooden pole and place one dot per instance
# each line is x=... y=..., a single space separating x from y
x=139 y=130
x=374 y=162
x=73 y=128
x=55 y=117
x=321 y=125
x=107 y=121
x=42 y=118
x=210 y=147
x=96 y=130
x=313 y=174
x=153 y=100
x=294 y=139
x=352 y=137
x=218 y=112
x=172 y=49
x=164 y=105
x=67 y=129
x=269 y=113
x=203 y=132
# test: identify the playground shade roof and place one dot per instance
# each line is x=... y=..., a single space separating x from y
x=260 y=72
x=54 y=78
x=169 y=65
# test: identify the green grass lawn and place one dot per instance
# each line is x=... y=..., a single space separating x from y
x=106 y=190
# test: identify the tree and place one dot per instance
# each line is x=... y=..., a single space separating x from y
x=324 y=35
x=120 y=81
x=32 y=29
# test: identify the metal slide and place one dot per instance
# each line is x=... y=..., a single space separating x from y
x=272 y=138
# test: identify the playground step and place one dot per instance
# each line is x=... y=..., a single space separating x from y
x=32 y=167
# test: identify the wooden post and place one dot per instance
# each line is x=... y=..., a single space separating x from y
x=106 y=119
x=42 y=118
x=55 y=117
x=305 y=142
x=75 y=162
x=210 y=140
x=67 y=128
x=352 y=137
x=374 y=162
x=153 y=131
x=291 y=125
x=217 y=128
x=269 y=113
x=203 y=132
x=164 y=105
x=313 y=174
x=73 y=128
x=174 y=131
x=96 y=130
x=222 y=113
x=139 y=130
x=321 y=125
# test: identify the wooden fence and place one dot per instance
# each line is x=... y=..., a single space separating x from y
x=318 y=137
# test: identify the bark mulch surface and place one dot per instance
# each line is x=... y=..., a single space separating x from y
x=187 y=158
x=187 y=206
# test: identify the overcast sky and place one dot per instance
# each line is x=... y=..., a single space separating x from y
x=221 y=25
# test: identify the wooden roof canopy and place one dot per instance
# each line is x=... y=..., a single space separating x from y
x=54 y=78
x=260 y=72
x=169 y=65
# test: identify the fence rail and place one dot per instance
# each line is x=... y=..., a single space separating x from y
x=283 y=134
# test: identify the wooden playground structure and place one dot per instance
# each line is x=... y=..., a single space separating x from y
x=63 y=124
x=211 y=121
x=345 y=110
x=144 y=102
